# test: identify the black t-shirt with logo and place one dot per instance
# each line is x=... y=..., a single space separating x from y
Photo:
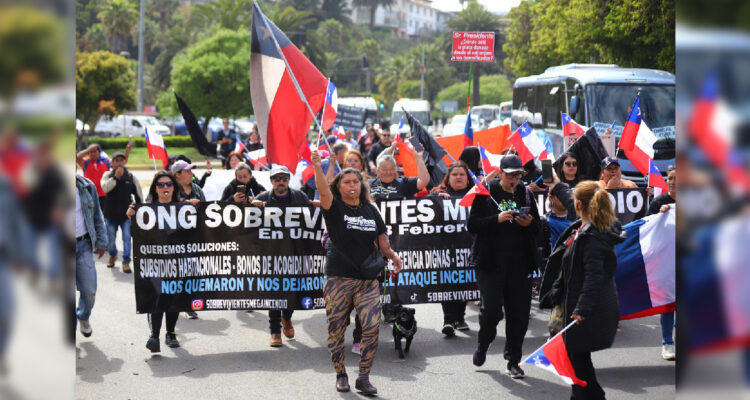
x=398 y=189
x=353 y=231
x=510 y=232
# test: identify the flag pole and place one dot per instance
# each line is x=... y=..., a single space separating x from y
x=154 y=160
x=473 y=178
x=291 y=73
x=552 y=338
x=617 y=149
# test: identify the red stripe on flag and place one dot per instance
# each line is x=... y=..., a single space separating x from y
x=650 y=311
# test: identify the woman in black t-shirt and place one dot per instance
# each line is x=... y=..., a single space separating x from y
x=456 y=183
x=353 y=224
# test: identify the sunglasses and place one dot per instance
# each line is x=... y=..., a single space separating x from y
x=280 y=178
x=571 y=164
x=164 y=184
x=516 y=175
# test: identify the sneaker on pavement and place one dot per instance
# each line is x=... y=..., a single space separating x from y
x=363 y=385
x=667 y=352
x=514 y=371
x=461 y=326
x=191 y=315
x=85 y=328
x=170 y=339
x=356 y=348
x=275 y=340
x=111 y=261
x=153 y=344
x=126 y=267
x=448 y=330
x=287 y=327
x=342 y=382
x=480 y=355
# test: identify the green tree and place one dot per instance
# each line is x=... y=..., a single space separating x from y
x=475 y=18
x=213 y=75
x=389 y=77
x=103 y=76
x=95 y=39
x=372 y=5
x=496 y=90
x=337 y=10
x=119 y=18
x=32 y=44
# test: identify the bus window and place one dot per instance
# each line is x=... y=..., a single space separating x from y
x=553 y=106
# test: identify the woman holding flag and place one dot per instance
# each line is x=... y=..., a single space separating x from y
x=586 y=288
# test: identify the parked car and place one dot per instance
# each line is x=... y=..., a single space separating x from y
x=127 y=125
x=458 y=124
x=80 y=126
x=176 y=125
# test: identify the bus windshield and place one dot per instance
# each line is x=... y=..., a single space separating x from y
x=422 y=116
x=613 y=102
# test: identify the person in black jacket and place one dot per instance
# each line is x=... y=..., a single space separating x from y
x=123 y=189
x=243 y=175
x=504 y=254
x=585 y=254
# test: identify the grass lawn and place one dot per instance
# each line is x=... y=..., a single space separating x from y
x=139 y=157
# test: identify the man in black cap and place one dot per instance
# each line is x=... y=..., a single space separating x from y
x=123 y=189
x=503 y=254
x=281 y=195
x=611 y=175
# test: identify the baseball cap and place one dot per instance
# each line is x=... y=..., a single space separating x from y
x=118 y=154
x=607 y=161
x=181 y=165
x=511 y=163
x=280 y=169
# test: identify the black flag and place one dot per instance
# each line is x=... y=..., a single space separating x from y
x=589 y=151
x=433 y=151
x=191 y=124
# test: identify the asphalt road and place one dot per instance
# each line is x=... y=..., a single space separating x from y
x=225 y=354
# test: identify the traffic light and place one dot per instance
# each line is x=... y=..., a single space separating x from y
x=382 y=105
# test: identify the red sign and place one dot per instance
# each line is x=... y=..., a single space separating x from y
x=473 y=46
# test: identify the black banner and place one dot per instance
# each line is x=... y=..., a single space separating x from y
x=350 y=118
x=222 y=256
x=629 y=204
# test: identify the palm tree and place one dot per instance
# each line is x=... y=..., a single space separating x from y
x=389 y=77
x=336 y=9
x=119 y=18
x=475 y=18
x=373 y=6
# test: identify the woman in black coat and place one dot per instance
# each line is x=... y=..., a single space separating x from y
x=585 y=254
x=243 y=175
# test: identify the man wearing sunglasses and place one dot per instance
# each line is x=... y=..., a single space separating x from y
x=377 y=148
x=504 y=255
x=281 y=195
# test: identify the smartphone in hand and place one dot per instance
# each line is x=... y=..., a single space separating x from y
x=524 y=211
x=547 y=171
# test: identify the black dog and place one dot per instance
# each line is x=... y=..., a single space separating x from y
x=404 y=326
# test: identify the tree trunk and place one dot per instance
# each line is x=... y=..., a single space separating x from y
x=475 y=83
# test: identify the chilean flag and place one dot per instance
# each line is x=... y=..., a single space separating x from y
x=527 y=143
x=308 y=170
x=643 y=152
x=239 y=147
x=329 y=107
x=645 y=275
x=283 y=116
x=655 y=179
x=570 y=127
x=553 y=357
x=489 y=160
x=257 y=156
x=477 y=189
x=468 y=131
x=632 y=127
x=340 y=132
x=156 y=148
x=549 y=151
x=711 y=126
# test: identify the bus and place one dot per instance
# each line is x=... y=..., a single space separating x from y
x=595 y=95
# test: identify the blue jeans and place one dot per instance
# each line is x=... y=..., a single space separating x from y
x=85 y=279
x=667 y=325
x=112 y=235
x=7 y=299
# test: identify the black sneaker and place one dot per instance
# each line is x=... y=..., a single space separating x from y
x=153 y=344
x=461 y=326
x=480 y=355
x=448 y=330
x=170 y=339
x=514 y=371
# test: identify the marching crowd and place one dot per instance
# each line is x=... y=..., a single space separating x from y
x=570 y=248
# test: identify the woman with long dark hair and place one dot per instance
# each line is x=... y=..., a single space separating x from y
x=354 y=226
x=163 y=190
x=456 y=183
x=586 y=288
x=566 y=168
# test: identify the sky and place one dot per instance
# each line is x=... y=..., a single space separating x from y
x=492 y=5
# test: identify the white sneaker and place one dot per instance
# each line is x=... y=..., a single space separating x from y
x=85 y=328
x=667 y=352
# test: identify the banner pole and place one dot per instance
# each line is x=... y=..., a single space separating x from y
x=468 y=95
x=291 y=73
x=553 y=337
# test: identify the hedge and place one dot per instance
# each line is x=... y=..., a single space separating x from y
x=119 y=143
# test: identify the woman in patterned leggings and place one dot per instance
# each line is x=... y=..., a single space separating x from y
x=354 y=224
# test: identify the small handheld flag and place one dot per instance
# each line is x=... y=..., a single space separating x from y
x=156 y=148
x=527 y=143
x=553 y=357
x=633 y=124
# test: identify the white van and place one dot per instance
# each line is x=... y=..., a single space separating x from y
x=419 y=109
x=486 y=113
x=127 y=125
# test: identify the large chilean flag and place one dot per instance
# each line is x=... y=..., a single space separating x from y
x=283 y=116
